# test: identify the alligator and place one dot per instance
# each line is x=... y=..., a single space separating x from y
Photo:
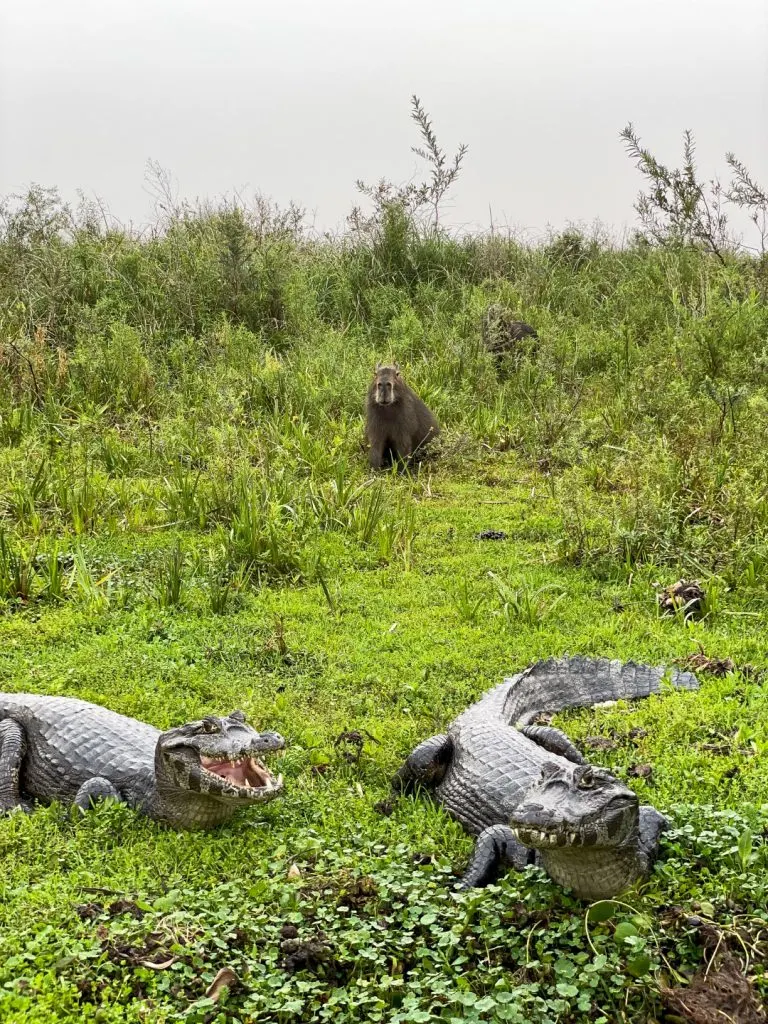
x=527 y=793
x=194 y=776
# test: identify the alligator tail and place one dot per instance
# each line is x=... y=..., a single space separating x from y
x=560 y=683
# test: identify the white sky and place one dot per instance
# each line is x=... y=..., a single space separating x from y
x=297 y=99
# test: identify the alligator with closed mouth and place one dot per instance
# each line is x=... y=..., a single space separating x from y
x=527 y=793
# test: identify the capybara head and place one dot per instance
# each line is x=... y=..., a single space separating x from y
x=387 y=384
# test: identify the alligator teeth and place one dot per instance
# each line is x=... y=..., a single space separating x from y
x=242 y=773
x=544 y=838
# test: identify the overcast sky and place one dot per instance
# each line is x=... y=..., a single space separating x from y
x=299 y=98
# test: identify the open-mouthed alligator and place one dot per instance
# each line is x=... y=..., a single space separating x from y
x=525 y=790
x=192 y=777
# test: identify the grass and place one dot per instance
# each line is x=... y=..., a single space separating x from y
x=187 y=525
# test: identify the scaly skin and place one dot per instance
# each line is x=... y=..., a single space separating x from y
x=195 y=776
x=526 y=792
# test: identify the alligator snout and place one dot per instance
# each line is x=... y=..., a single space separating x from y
x=533 y=816
x=270 y=741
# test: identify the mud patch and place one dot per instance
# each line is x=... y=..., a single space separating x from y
x=716 y=996
x=685 y=596
x=600 y=743
x=350 y=744
x=92 y=911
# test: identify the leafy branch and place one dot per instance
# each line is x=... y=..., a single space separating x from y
x=678 y=208
x=745 y=193
x=413 y=197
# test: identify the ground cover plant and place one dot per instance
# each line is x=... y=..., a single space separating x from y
x=188 y=524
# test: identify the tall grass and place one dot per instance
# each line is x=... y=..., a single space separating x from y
x=210 y=376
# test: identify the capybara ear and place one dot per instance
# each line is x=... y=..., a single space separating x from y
x=378 y=367
x=397 y=368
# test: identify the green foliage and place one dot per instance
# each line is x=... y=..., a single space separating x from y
x=529 y=605
x=171 y=578
x=188 y=525
x=361 y=934
x=398 y=210
x=17 y=571
x=112 y=369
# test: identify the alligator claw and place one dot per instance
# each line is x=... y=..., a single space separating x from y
x=23 y=807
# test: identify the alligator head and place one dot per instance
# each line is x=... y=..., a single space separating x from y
x=576 y=806
x=218 y=758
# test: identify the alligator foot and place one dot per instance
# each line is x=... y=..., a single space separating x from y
x=496 y=848
x=13 y=746
x=23 y=807
x=95 y=789
x=554 y=741
x=426 y=765
x=652 y=824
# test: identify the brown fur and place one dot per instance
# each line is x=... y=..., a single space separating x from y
x=397 y=422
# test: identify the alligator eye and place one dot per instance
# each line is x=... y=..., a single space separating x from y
x=587 y=779
x=238 y=716
x=549 y=770
x=211 y=725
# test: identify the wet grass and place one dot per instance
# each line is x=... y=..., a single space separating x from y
x=395 y=660
x=188 y=526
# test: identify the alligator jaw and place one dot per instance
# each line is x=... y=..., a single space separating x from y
x=247 y=774
x=541 y=839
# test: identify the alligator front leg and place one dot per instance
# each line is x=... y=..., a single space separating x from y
x=13 y=747
x=426 y=765
x=553 y=740
x=652 y=824
x=496 y=848
x=95 y=789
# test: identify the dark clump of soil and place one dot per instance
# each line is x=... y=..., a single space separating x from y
x=385 y=807
x=701 y=663
x=350 y=744
x=91 y=911
x=153 y=953
x=640 y=771
x=124 y=907
x=491 y=535
x=314 y=954
x=686 y=596
x=715 y=996
x=614 y=739
x=720 y=667
x=600 y=743
x=358 y=892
